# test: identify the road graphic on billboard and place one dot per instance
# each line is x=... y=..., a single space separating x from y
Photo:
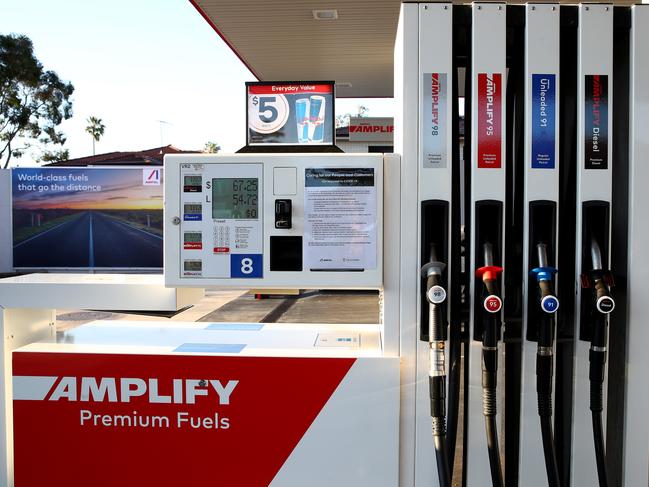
x=86 y=218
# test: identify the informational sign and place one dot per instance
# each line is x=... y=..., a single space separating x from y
x=489 y=120
x=340 y=218
x=543 y=121
x=434 y=124
x=596 y=122
x=371 y=129
x=87 y=218
x=290 y=113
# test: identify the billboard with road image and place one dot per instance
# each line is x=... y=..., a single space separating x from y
x=87 y=218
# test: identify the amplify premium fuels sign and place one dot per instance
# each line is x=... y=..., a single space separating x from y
x=489 y=120
x=186 y=420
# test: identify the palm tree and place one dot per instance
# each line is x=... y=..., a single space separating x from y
x=96 y=129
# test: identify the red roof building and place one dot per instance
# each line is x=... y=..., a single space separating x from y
x=148 y=157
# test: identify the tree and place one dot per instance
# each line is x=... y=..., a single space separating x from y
x=211 y=147
x=343 y=120
x=96 y=129
x=33 y=101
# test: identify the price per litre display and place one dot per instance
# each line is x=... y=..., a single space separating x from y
x=267 y=113
x=235 y=198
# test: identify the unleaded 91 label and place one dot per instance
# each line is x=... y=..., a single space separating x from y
x=543 y=121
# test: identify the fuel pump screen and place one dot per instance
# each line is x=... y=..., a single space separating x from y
x=235 y=198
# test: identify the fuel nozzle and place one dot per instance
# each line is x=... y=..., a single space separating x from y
x=601 y=280
x=544 y=275
x=436 y=296
x=489 y=274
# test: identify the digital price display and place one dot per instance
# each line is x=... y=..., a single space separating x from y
x=235 y=198
x=192 y=184
x=192 y=212
x=193 y=241
x=193 y=266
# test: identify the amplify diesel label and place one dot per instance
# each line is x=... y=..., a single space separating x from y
x=596 y=122
x=489 y=120
x=134 y=420
x=434 y=125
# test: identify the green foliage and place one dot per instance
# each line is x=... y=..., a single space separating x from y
x=96 y=129
x=211 y=147
x=33 y=101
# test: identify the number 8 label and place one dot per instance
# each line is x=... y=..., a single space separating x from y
x=246 y=265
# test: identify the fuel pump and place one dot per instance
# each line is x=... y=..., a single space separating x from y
x=487 y=216
x=597 y=305
x=436 y=297
x=541 y=204
x=491 y=332
x=593 y=241
x=544 y=315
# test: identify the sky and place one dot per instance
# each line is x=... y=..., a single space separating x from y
x=154 y=71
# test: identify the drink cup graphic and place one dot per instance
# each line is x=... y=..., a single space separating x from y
x=302 y=120
x=316 y=118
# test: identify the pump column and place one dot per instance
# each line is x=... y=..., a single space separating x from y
x=434 y=186
x=593 y=232
x=487 y=200
x=540 y=232
x=636 y=446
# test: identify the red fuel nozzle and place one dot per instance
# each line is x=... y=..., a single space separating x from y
x=489 y=273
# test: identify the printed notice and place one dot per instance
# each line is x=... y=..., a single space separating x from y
x=340 y=218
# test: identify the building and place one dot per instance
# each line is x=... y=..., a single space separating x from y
x=148 y=157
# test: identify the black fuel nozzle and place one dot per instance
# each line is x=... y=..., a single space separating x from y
x=436 y=296
x=600 y=281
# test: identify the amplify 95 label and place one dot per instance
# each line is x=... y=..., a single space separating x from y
x=434 y=123
x=596 y=122
x=489 y=120
x=543 y=120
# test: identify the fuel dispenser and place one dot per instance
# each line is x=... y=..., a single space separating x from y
x=540 y=241
x=510 y=259
x=541 y=237
x=593 y=240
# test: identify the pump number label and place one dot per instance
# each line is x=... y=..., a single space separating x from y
x=489 y=120
x=246 y=266
x=543 y=121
